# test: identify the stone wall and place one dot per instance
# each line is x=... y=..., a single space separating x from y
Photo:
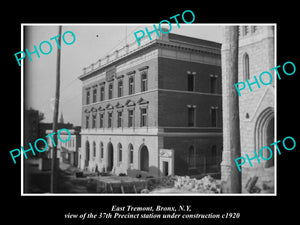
x=258 y=43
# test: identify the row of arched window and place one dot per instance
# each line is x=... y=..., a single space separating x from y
x=101 y=150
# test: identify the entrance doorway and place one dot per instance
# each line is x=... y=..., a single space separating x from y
x=165 y=168
x=270 y=140
x=110 y=156
x=87 y=154
x=144 y=158
x=264 y=134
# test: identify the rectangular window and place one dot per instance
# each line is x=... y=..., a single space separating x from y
x=120 y=88
x=88 y=97
x=191 y=82
x=95 y=95
x=119 y=119
x=87 y=118
x=131 y=85
x=109 y=124
x=101 y=120
x=110 y=91
x=102 y=91
x=94 y=121
x=130 y=118
x=143 y=117
x=213 y=84
x=191 y=117
x=144 y=82
x=213 y=116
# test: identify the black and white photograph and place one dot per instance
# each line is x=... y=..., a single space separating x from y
x=147 y=116
x=167 y=118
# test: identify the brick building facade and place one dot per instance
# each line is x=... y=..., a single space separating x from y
x=256 y=109
x=155 y=108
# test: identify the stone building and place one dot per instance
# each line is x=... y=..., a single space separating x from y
x=155 y=108
x=256 y=108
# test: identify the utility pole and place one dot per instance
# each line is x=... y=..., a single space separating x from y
x=231 y=122
x=54 y=166
x=125 y=35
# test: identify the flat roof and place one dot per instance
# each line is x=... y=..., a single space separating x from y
x=164 y=39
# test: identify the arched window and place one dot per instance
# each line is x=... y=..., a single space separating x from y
x=120 y=152
x=246 y=67
x=94 y=149
x=130 y=149
x=101 y=150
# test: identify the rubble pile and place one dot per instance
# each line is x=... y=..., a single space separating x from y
x=205 y=185
x=168 y=181
x=162 y=182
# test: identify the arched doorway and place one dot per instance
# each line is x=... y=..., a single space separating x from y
x=110 y=156
x=270 y=140
x=264 y=134
x=87 y=154
x=144 y=158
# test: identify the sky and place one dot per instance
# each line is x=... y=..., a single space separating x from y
x=93 y=41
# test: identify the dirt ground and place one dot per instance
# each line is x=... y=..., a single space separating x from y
x=39 y=181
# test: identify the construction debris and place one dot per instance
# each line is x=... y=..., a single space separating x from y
x=250 y=185
x=205 y=185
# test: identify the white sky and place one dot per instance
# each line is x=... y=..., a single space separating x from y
x=92 y=43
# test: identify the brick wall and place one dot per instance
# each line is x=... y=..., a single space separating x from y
x=173 y=75
x=172 y=105
x=173 y=110
x=203 y=148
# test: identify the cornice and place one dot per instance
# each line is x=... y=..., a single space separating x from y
x=183 y=46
